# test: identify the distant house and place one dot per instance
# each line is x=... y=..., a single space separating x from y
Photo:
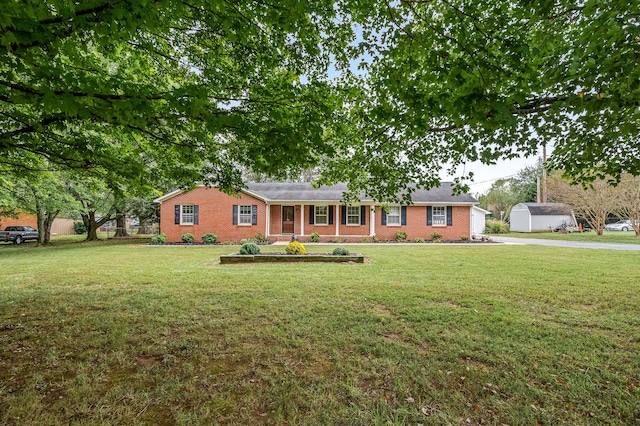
x=280 y=210
x=532 y=217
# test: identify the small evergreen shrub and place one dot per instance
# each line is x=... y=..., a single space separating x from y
x=295 y=247
x=187 y=238
x=493 y=226
x=314 y=237
x=374 y=239
x=419 y=240
x=366 y=239
x=340 y=251
x=464 y=237
x=79 y=228
x=401 y=236
x=249 y=248
x=209 y=238
x=260 y=239
x=159 y=239
x=435 y=237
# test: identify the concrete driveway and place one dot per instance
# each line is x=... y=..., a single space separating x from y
x=573 y=244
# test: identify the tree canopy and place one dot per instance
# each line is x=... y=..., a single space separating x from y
x=183 y=89
x=455 y=81
x=196 y=90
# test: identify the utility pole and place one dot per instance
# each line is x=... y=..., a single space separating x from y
x=544 y=173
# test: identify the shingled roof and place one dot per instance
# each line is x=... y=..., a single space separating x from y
x=284 y=191
x=548 y=209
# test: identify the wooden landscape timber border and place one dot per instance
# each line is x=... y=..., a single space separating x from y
x=290 y=258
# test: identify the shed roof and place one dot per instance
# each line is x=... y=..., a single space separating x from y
x=548 y=209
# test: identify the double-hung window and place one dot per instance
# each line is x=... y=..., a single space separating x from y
x=393 y=215
x=187 y=214
x=321 y=215
x=244 y=214
x=353 y=215
x=439 y=215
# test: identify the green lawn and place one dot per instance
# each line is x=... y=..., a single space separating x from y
x=619 y=237
x=433 y=334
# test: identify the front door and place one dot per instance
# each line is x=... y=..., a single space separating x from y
x=287 y=219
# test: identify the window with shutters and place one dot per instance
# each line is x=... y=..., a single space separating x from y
x=353 y=215
x=187 y=214
x=244 y=214
x=393 y=215
x=321 y=215
x=439 y=216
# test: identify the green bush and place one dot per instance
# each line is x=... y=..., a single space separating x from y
x=436 y=237
x=340 y=251
x=79 y=228
x=464 y=237
x=493 y=226
x=260 y=239
x=159 y=239
x=419 y=240
x=314 y=237
x=187 y=238
x=295 y=247
x=209 y=238
x=401 y=236
x=249 y=248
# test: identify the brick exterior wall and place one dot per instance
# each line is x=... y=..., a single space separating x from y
x=23 y=219
x=215 y=216
x=416 y=226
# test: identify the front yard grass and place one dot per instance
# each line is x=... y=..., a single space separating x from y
x=423 y=334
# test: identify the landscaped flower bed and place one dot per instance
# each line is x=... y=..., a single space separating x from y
x=289 y=258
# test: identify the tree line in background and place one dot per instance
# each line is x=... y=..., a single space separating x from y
x=131 y=97
x=594 y=202
x=52 y=194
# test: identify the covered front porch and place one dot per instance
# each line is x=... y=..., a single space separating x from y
x=329 y=221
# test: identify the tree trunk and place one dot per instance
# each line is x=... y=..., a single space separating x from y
x=92 y=227
x=145 y=227
x=48 y=222
x=121 y=227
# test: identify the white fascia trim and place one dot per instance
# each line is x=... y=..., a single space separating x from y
x=165 y=197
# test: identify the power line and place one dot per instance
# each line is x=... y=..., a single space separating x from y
x=494 y=179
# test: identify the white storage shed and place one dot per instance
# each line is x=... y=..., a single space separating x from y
x=532 y=217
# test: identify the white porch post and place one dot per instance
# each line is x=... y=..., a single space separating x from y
x=302 y=219
x=338 y=209
x=268 y=219
x=372 y=221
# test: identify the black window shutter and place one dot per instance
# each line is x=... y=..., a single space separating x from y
x=343 y=215
x=363 y=215
x=312 y=214
x=449 y=215
x=403 y=215
x=384 y=217
x=235 y=214
x=429 y=216
x=254 y=214
x=176 y=214
x=196 y=214
x=330 y=215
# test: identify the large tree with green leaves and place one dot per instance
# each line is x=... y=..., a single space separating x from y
x=454 y=81
x=180 y=89
x=189 y=90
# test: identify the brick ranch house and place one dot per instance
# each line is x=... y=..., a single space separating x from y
x=281 y=210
